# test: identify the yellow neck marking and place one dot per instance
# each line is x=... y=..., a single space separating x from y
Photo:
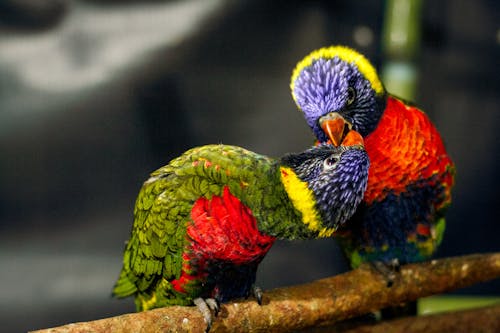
x=303 y=200
x=346 y=54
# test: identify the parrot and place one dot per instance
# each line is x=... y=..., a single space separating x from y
x=203 y=222
x=402 y=216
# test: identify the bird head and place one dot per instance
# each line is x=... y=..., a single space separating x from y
x=338 y=89
x=326 y=183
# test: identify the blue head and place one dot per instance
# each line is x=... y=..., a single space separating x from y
x=327 y=182
x=338 y=85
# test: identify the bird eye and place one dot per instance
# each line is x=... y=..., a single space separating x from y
x=351 y=95
x=331 y=161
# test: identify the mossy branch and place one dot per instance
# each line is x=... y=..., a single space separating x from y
x=322 y=302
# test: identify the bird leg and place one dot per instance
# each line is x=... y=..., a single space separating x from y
x=206 y=306
x=214 y=305
x=257 y=293
x=388 y=269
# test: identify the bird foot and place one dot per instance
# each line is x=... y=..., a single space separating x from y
x=206 y=306
x=389 y=269
x=257 y=293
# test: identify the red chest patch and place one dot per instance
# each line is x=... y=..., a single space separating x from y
x=225 y=229
x=404 y=148
x=222 y=228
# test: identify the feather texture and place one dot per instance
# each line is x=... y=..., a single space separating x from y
x=410 y=176
x=203 y=223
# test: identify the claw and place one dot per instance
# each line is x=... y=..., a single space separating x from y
x=257 y=293
x=388 y=269
x=214 y=305
x=205 y=305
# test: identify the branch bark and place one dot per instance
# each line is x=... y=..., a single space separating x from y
x=322 y=302
x=484 y=320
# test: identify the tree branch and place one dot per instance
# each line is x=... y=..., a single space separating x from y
x=484 y=320
x=322 y=302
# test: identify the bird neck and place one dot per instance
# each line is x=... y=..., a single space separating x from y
x=303 y=200
x=278 y=213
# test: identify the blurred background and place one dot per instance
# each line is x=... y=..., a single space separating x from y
x=94 y=95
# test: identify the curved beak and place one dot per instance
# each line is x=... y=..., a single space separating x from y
x=353 y=138
x=334 y=126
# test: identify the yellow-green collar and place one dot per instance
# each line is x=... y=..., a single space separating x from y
x=303 y=200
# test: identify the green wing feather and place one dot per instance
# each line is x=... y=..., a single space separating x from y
x=155 y=248
x=153 y=255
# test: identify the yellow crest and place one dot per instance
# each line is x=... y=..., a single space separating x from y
x=346 y=54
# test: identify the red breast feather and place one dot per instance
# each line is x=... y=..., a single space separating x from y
x=405 y=148
x=223 y=229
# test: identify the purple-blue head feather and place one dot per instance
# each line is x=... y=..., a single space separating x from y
x=337 y=176
x=323 y=87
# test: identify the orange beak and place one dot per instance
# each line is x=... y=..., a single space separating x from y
x=334 y=129
x=353 y=138
x=335 y=126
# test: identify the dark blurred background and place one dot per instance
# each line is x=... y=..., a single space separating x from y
x=94 y=95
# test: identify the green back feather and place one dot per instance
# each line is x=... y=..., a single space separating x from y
x=153 y=255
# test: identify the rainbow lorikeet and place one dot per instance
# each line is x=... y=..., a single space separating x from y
x=203 y=223
x=401 y=218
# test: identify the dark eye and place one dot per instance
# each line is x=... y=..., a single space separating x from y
x=351 y=95
x=331 y=161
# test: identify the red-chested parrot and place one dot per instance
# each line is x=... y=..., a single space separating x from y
x=402 y=216
x=203 y=223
